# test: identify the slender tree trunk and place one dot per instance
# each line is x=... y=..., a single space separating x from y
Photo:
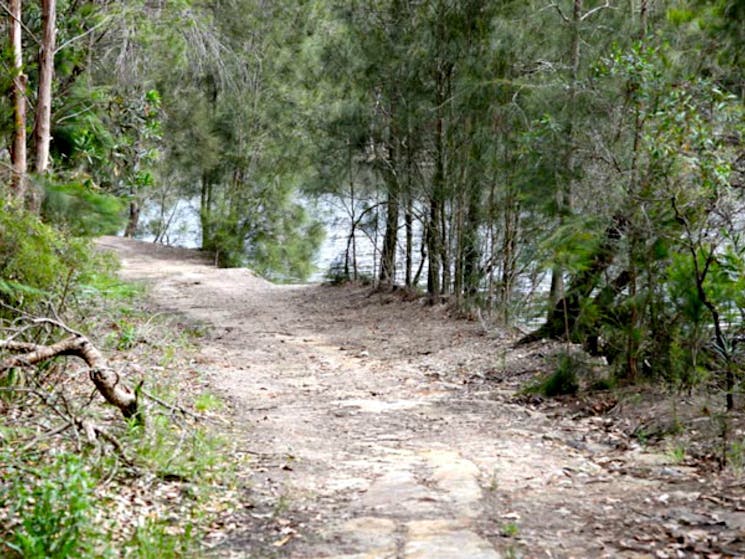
x=471 y=253
x=632 y=196
x=444 y=248
x=18 y=155
x=433 y=252
x=562 y=320
x=446 y=200
x=42 y=130
x=509 y=252
x=133 y=219
x=435 y=211
x=351 y=252
x=390 y=238
x=205 y=212
x=409 y=211
x=565 y=194
x=459 y=245
x=409 y=225
x=643 y=16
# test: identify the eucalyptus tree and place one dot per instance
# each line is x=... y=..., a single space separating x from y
x=42 y=129
x=18 y=149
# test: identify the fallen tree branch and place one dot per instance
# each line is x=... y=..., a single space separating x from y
x=93 y=432
x=106 y=379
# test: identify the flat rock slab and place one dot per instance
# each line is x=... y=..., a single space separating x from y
x=445 y=540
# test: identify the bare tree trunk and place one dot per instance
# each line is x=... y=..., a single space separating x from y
x=509 y=252
x=565 y=194
x=643 y=13
x=19 y=160
x=409 y=224
x=458 y=244
x=42 y=130
x=563 y=317
x=444 y=248
x=409 y=212
x=433 y=252
x=133 y=220
x=390 y=238
x=205 y=211
x=471 y=253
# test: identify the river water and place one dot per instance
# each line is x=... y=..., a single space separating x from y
x=185 y=231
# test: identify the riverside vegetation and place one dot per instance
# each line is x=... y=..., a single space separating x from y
x=577 y=165
x=77 y=479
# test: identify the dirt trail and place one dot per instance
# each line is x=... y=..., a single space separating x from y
x=382 y=429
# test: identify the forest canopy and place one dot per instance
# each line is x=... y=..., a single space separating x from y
x=580 y=160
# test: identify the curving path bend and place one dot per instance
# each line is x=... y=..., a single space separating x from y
x=381 y=428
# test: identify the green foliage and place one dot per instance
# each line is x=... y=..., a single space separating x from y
x=82 y=210
x=677 y=453
x=36 y=262
x=679 y=15
x=285 y=251
x=125 y=335
x=190 y=455
x=564 y=379
x=158 y=540
x=735 y=455
x=207 y=401
x=59 y=496
x=509 y=530
x=574 y=245
x=104 y=283
x=52 y=513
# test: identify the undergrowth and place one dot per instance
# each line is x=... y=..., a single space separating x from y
x=135 y=492
x=563 y=380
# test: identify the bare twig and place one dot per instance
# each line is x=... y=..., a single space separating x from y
x=33 y=442
x=93 y=432
x=5 y=8
x=595 y=10
x=174 y=407
x=558 y=9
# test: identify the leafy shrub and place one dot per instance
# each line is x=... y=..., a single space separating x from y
x=153 y=540
x=83 y=210
x=37 y=262
x=564 y=379
x=51 y=514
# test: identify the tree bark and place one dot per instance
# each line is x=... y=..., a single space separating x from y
x=106 y=380
x=18 y=155
x=390 y=239
x=42 y=130
x=133 y=220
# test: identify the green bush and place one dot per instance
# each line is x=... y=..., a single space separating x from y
x=564 y=379
x=37 y=262
x=83 y=210
x=52 y=513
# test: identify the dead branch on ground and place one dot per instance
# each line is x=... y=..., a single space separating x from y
x=106 y=380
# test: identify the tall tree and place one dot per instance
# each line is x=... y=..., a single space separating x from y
x=18 y=152
x=42 y=128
